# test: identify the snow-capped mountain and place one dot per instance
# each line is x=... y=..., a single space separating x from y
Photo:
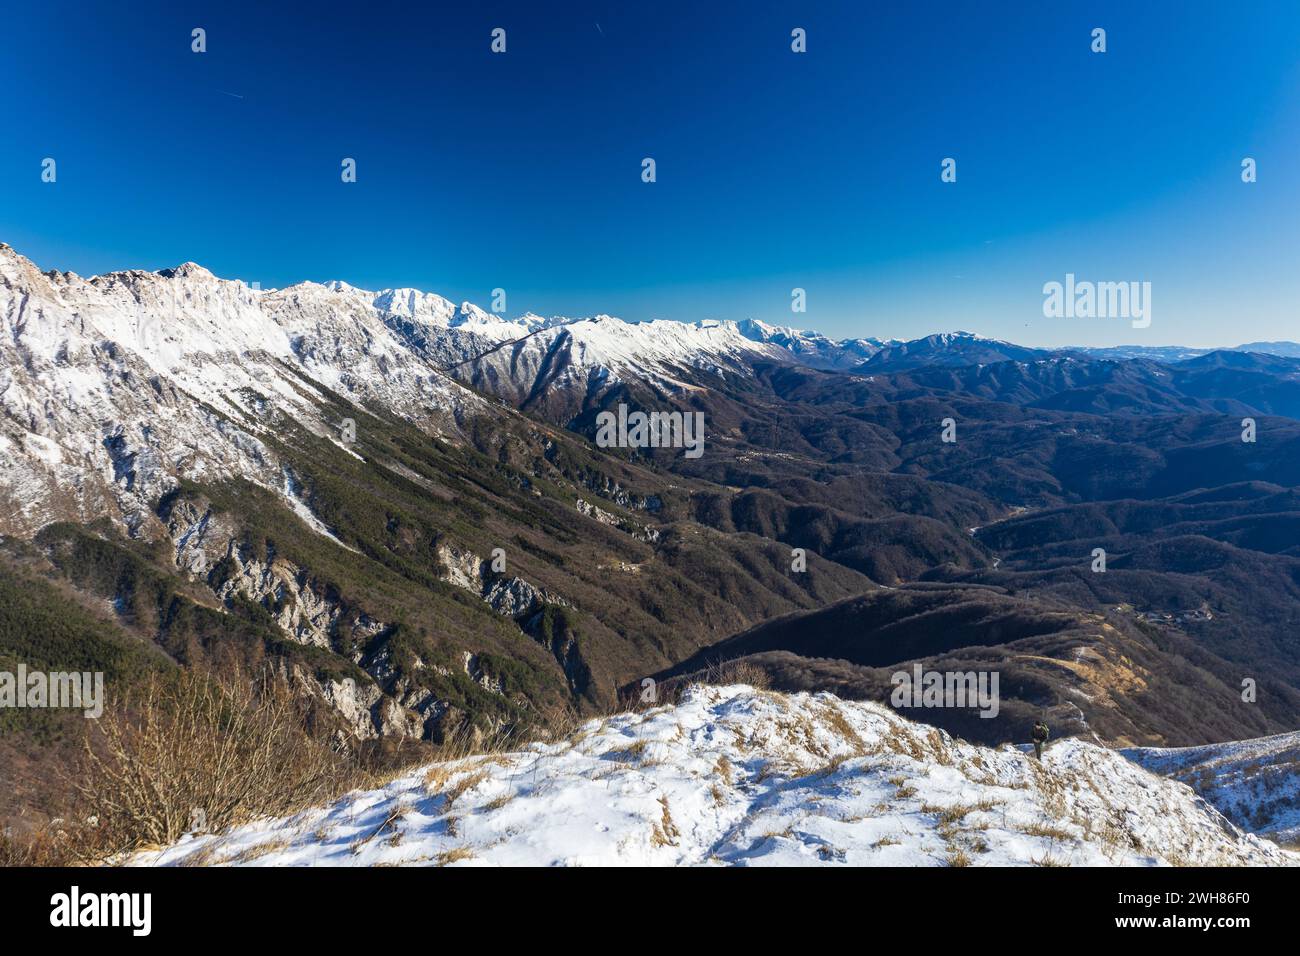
x=1155 y=353
x=1286 y=349
x=734 y=776
x=113 y=387
x=813 y=348
x=583 y=356
x=1178 y=353
x=948 y=349
x=442 y=332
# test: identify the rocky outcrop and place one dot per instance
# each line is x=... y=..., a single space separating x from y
x=606 y=487
x=511 y=597
x=464 y=569
x=208 y=546
x=524 y=603
x=479 y=676
x=596 y=513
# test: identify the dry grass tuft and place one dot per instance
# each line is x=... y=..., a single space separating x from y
x=665 y=832
x=1047 y=832
x=736 y=672
x=723 y=769
x=259 y=850
x=462 y=786
x=455 y=855
x=1048 y=860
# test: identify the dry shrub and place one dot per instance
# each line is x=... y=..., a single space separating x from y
x=191 y=747
x=46 y=847
x=723 y=769
x=463 y=785
x=735 y=672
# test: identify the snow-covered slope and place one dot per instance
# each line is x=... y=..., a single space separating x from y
x=442 y=332
x=100 y=400
x=1255 y=783
x=587 y=355
x=813 y=348
x=112 y=387
x=949 y=349
x=731 y=775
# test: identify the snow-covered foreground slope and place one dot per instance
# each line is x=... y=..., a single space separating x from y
x=1255 y=783
x=737 y=776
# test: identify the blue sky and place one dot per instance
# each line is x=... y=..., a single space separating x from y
x=775 y=170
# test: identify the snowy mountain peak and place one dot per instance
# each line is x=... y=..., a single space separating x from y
x=143 y=358
x=114 y=387
x=471 y=311
x=186 y=270
x=427 y=306
x=335 y=285
x=812 y=348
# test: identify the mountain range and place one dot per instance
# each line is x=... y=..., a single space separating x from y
x=401 y=504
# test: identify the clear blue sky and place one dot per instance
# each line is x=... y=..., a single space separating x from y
x=775 y=170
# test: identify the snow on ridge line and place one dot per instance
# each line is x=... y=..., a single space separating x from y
x=1253 y=746
x=418 y=304
x=1254 y=782
x=731 y=775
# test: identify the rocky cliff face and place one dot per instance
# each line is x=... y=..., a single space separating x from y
x=512 y=597
x=524 y=603
x=210 y=548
